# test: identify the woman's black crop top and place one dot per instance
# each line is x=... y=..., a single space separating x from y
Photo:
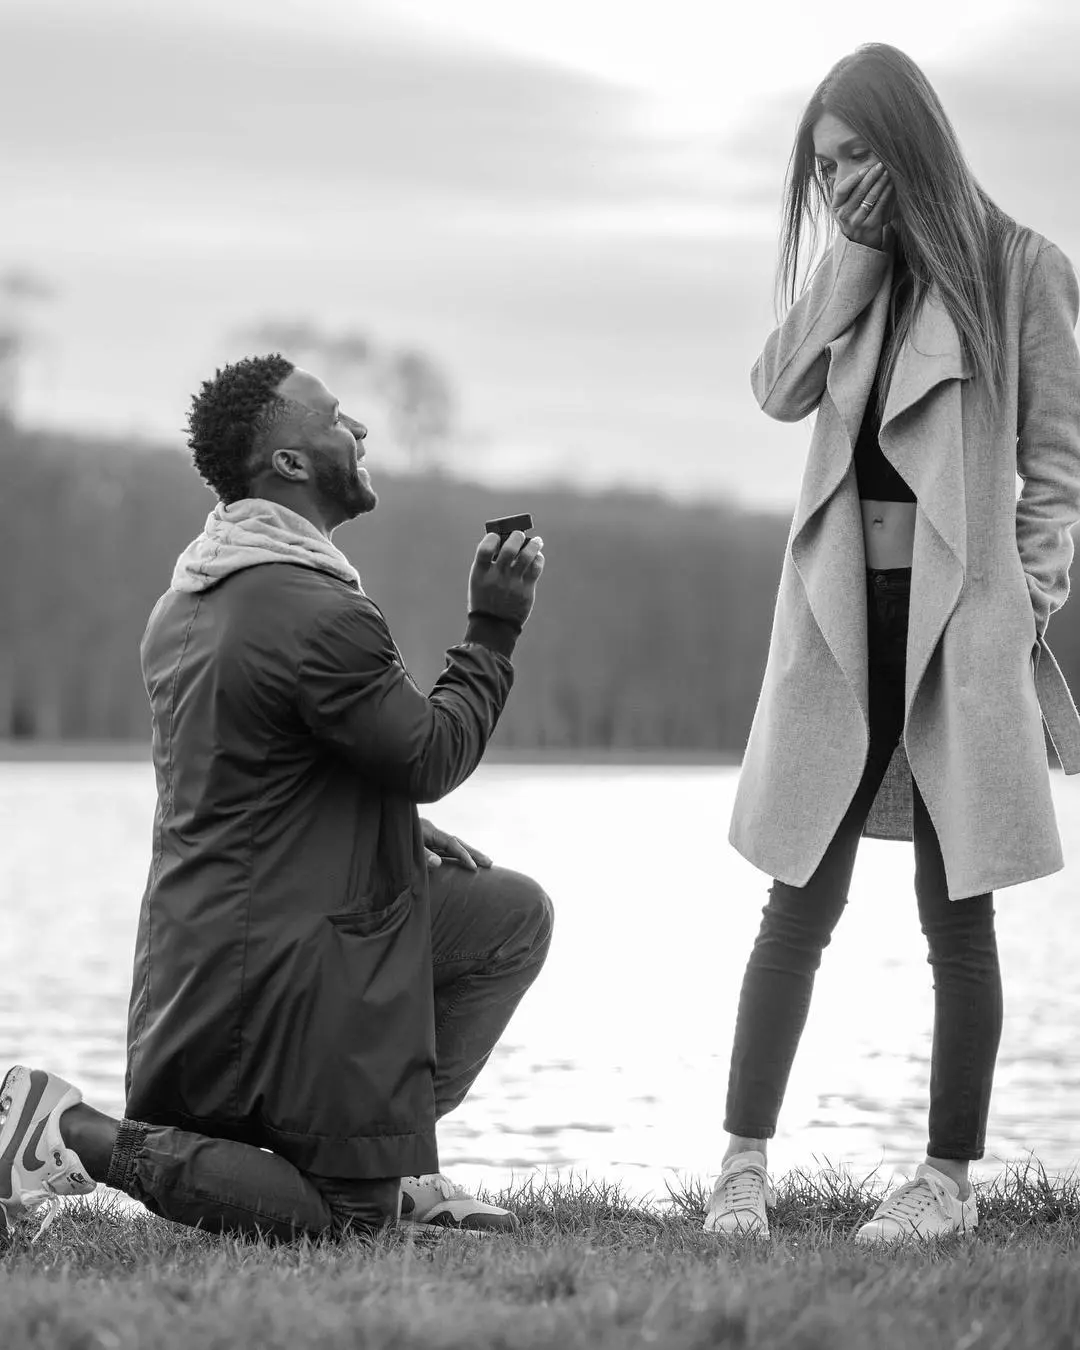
x=876 y=477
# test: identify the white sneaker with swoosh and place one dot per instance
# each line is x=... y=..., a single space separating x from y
x=436 y=1202
x=36 y=1166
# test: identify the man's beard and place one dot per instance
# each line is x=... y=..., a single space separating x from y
x=345 y=489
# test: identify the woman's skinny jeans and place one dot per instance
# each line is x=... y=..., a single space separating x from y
x=798 y=923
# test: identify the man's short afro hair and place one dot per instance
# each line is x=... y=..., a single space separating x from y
x=227 y=415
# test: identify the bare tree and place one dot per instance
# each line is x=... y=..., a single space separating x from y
x=412 y=386
x=11 y=346
x=421 y=407
x=348 y=356
x=20 y=290
x=346 y=359
x=293 y=337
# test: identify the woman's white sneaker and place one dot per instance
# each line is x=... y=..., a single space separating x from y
x=928 y=1205
x=740 y=1197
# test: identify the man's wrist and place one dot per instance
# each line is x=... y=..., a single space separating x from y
x=515 y=624
x=493 y=630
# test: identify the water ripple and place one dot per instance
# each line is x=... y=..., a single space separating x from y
x=615 y=1064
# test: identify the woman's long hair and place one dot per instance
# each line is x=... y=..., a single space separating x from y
x=948 y=231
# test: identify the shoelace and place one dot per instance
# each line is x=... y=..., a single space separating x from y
x=911 y=1201
x=31 y=1199
x=446 y=1188
x=743 y=1189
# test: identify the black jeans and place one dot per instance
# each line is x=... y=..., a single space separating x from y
x=798 y=923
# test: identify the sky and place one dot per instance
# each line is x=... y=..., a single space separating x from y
x=570 y=205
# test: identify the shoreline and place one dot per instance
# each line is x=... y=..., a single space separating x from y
x=109 y=752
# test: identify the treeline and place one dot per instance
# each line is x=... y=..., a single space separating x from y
x=650 y=630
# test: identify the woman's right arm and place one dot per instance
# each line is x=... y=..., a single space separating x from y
x=788 y=377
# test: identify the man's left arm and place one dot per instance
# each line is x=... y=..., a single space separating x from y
x=1048 y=431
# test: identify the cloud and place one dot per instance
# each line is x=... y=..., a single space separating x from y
x=353 y=118
x=596 y=285
x=1018 y=117
x=519 y=221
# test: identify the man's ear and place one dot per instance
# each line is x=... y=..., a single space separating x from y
x=290 y=464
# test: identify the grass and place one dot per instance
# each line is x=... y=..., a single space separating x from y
x=590 y=1268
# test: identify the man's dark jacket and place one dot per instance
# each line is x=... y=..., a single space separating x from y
x=282 y=989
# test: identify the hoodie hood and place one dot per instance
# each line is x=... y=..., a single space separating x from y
x=253 y=531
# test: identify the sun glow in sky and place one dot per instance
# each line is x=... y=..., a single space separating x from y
x=570 y=204
x=703 y=58
x=706 y=60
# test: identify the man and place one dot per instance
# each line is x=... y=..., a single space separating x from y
x=319 y=974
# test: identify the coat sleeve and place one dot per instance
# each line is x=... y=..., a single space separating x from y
x=1048 y=431
x=788 y=377
x=356 y=697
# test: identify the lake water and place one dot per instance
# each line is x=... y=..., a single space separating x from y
x=615 y=1064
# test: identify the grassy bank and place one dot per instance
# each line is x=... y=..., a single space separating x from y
x=590 y=1269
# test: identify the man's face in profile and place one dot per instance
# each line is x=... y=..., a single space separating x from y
x=334 y=440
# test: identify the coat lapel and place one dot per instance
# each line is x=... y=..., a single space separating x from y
x=922 y=435
x=853 y=360
x=826 y=543
x=926 y=443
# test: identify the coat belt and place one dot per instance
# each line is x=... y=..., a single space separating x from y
x=1058 y=710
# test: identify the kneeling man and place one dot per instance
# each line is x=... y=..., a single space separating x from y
x=319 y=973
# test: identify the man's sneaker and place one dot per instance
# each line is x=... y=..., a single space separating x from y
x=928 y=1205
x=436 y=1202
x=740 y=1196
x=36 y=1166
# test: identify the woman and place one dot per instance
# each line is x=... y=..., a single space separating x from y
x=908 y=674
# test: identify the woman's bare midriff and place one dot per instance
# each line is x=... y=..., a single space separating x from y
x=889 y=533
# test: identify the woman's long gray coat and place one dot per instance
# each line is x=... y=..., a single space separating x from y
x=987 y=573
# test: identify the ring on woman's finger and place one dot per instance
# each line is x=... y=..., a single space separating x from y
x=867 y=205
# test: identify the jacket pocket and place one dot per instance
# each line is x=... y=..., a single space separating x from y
x=374 y=922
